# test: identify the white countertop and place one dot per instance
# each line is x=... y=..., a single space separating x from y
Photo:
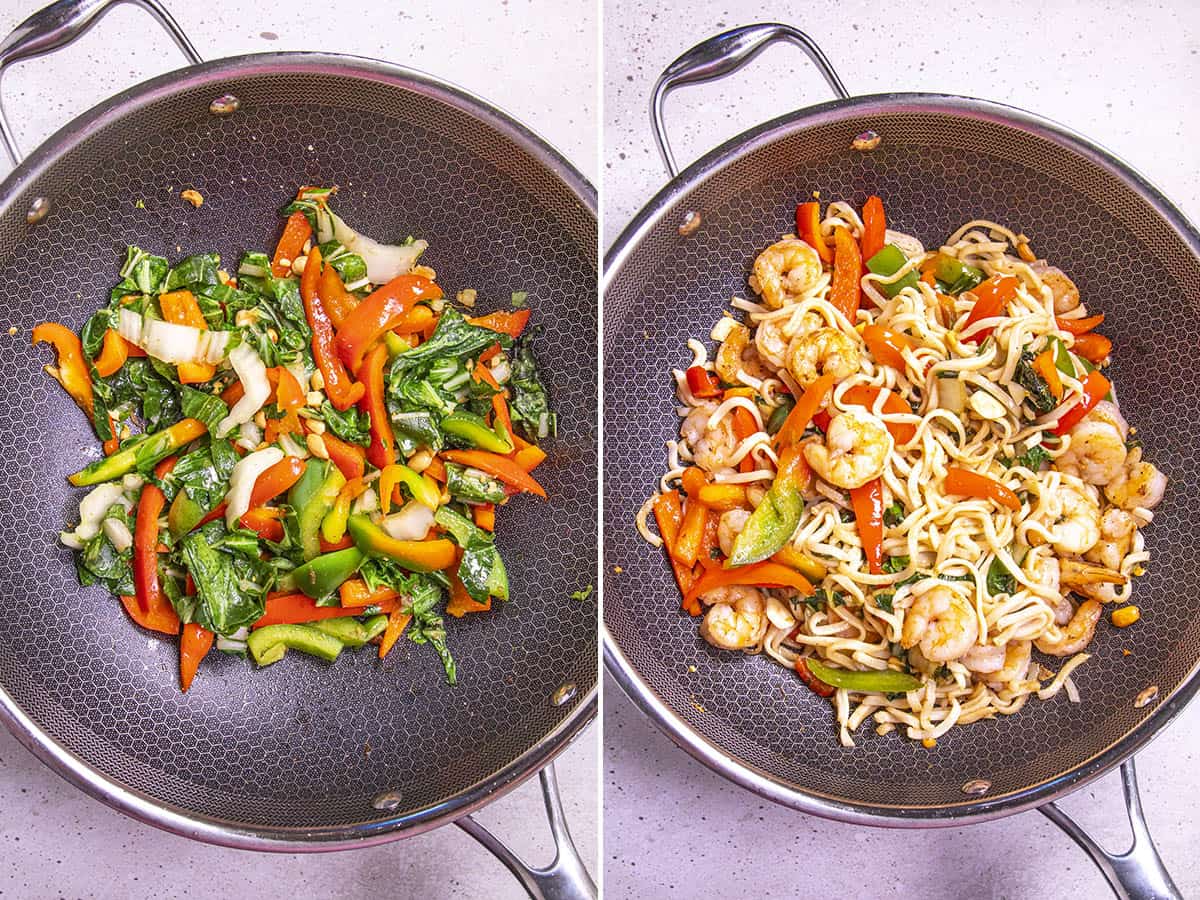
x=1124 y=74
x=535 y=60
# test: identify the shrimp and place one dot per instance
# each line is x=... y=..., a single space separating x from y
x=1139 y=484
x=736 y=355
x=712 y=448
x=1017 y=655
x=1078 y=525
x=1063 y=289
x=740 y=626
x=1091 y=580
x=1045 y=572
x=826 y=350
x=772 y=336
x=1097 y=452
x=1076 y=635
x=984 y=660
x=856 y=449
x=785 y=271
x=1117 y=529
x=941 y=623
x=729 y=527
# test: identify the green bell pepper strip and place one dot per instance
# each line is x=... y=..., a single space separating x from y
x=774 y=522
x=184 y=515
x=324 y=574
x=956 y=276
x=481 y=570
x=887 y=262
x=418 y=556
x=475 y=430
x=312 y=497
x=1062 y=358
x=268 y=645
x=350 y=631
x=877 y=681
x=141 y=454
x=473 y=486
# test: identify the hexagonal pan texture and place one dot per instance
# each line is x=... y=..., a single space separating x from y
x=296 y=752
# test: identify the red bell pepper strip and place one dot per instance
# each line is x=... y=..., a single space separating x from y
x=194 y=643
x=668 y=513
x=761 y=574
x=887 y=346
x=701 y=383
x=263 y=521
x=868 y=515
x=71 y=371
x=1079 y=326
x=816 y=685
x=275 y=480
x=147 y=589
x=113 y=353
x=381 y=311
x=972 y=484
x=338 y=301
x=808 y=226
x=291 y=244
x=494 y=464
x=382 y=451
x=284 y=608
x=1092 y=347
x=504 y=321
x=1095 y=388
x=161 y=618
x=802 y=413
x=349 y=458
x=342 y=390
x=874 y=227
x=991 y=297
x=846 y=290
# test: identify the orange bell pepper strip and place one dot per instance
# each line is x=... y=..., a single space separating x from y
x=887 y=346
x=972 y=484
x=276 y=479
x=416 y=321
x=194 y=643
x=355 y=595
x=263 y=521
x=529 y=458
x=494 y=464
x=865 y=395
x=342 y=390
x=668 y=514
x=291 y=244
x=349 y=458
x=147 y=588
x=338 y=301
x=283 y=608
x=874 y=227
x=485 y=516
x=808 y=226
x=382 y=452
x=397 y=622
x=1095 y=388
x=687 y=546
x=181 y=308
x=290 y=397
x=1079 y=326
x=382 y=310
x=867 y=502
x=760 y=574
x=71 y=371
x=802 y=413
x=436 y=470
x=845 y=292
x=991 y=297
x=701 y=383
x=744 y=426
x=1092 y=347
x=510 y=322
x=461 y=602
x=1044 y=365
x=113 y=353
x=161 y=618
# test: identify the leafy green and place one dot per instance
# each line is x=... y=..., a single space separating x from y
x=473 y=486
x=894 y=514
x=414 y=429
x=92 y=335
x=350 y=266
x=884 y=601
x=142 y=273
x=779 y=414
x=225 y=581
x=1031 y=459
x=481 y=570
x=520 y=298
x=454 y=336
x=136 y=382
x=1039 y=392
x=100 y=563
x=203 y=473
x=894 y=564
x=194 y=270
x=530 y=407
x=999 y=579
x=427 y=626
x=353 y=425
x=196 y=404
x=583 y=594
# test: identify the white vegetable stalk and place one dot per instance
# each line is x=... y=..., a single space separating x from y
x=118 y=534
x=412 y=523
x=173 y=343
x=384 y=261
x=253 y=375
x=241 y=482
x=93 y=507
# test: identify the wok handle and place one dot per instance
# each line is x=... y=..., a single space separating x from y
x=722 y=55
x=60 y=23
x=1136 y=874
x=566 y=878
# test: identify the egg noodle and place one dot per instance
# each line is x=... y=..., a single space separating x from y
x=971 y=584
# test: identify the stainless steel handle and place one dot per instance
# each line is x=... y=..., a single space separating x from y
x=566 y=878
x=721 y=55
x=1136 y=874
x=59 y=24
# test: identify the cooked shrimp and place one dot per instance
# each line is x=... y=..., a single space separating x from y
x=712 y=448
x=785 y=271
x=1139 y=483
x=737 y=355
x=983 y=660
x=826 y=350
x=740 y=626
x=1117 y=528
x=941 y=623
x=1066 y=294
x=1017 y=655
x=1045 y=572
x=729 y=527
x=1100 y=575
x=856 y=449
x=1078 y=525
x=1097 y=452
x=1076 y=635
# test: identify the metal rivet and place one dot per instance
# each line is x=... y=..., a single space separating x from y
x=225 y=105
x=691 y=222
x=565 y=694
x=977 y=786
x=866 y=141
x=388 y=800
x=38 y=210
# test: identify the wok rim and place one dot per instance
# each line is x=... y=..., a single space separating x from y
x=618 y=664
x=137 y=804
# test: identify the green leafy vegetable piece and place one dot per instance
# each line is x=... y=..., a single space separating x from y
x=1039 y=392
x=196 y=404
x=884 y=602
x=530 y=406
x=473 y=486
x=520 y=298
x=229 y=596
x=193 y=270
x=583 y=594
x=427 y=626
x=894 y=514
x=143 y=272
x=894 y=564
x=353 y=425
x=454 y=336
x=999 y=579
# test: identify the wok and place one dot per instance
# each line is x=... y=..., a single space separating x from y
x=295 y=757
x=938 y=161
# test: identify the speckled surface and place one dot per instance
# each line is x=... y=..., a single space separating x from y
x=56 y=842
x=672 y=827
